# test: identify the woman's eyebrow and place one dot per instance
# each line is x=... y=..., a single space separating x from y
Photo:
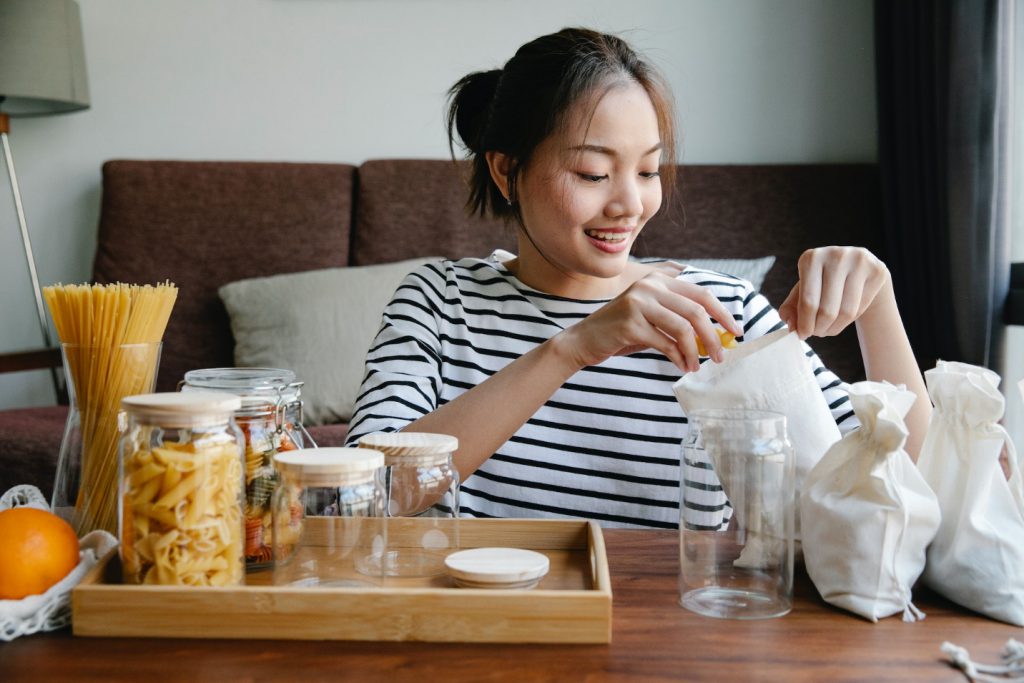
x=600 y=149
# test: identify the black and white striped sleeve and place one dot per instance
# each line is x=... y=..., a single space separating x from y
x=402 y=377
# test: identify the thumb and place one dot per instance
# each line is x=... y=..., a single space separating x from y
x=788 y=309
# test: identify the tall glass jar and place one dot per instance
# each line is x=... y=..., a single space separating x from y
x=181 y=490
x=98 y=377
x=737 y=507
x=270 y=418
x=328 y=517
x=422 y=500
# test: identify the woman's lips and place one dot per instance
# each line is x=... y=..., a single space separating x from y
x=610 y=241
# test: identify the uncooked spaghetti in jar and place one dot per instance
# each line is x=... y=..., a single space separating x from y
x=181 y=490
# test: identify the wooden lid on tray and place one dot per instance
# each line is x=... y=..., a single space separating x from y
x=497 y=567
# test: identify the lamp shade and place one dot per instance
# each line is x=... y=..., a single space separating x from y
x=42 y=58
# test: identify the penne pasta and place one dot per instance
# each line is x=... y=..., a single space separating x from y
x=191 y=534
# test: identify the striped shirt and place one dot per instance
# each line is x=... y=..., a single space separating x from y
x=605 y=446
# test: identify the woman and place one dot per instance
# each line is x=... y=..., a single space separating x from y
x=554 y=368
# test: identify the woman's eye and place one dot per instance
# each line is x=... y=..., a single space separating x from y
x=591 y=178
x=650 y=174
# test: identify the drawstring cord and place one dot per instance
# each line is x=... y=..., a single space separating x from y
x=1012 y=668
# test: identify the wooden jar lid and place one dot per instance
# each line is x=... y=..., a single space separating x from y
x=329 y=466
x=497 y=567
x=412 y=448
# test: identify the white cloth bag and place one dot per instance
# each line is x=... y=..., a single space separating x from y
x=868 y=513
x=769 y=373
x=977 y=558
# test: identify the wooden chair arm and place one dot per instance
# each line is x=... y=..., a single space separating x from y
x=39 y=359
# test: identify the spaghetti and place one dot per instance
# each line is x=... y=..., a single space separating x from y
x=110 y=336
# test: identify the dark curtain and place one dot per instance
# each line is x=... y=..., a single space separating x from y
x=943 y=103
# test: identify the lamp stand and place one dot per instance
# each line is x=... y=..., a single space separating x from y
x=26 y=242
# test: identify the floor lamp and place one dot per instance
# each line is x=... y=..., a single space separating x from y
x=42 y=72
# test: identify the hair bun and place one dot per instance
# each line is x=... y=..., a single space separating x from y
x=471 y=104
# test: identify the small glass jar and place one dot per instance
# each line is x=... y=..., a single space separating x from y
x=421 y=482
x=181 y=490
x=328 y=512
x=270 y=418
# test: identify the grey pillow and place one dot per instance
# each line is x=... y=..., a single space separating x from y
x=318 y=324
x=752 y=269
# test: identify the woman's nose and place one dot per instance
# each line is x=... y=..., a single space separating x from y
x=626 y=200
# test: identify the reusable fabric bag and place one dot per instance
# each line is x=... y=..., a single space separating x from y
x=769 y=373
x=868 y=513
x=977 y=558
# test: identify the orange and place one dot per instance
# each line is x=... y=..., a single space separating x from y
x=37 y=549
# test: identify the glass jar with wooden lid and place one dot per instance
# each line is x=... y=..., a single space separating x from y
x=181 y=490
x=270 y=418
x=422 y=500
x=328 y=513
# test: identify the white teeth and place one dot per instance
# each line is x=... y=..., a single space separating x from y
x=607 y=236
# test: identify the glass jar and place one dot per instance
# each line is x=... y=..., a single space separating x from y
x=270 y=418
x=421 y=486
x=737 y=506
x=181 y=490
x=328 y=517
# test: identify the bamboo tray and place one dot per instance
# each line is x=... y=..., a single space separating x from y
x=572 y=604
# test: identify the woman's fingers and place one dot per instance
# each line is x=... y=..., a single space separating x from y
x=787 y=311
x=708 y=302
x=680 y=333
x=837 y=285
x=658 y=312
x=807 y=305
x=688 y=311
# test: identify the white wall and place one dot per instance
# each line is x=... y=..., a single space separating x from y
x=347 y=80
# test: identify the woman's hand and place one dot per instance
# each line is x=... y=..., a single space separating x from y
x=658 y=311
x=837 y=286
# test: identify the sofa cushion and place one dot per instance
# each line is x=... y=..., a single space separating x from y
x=203 y=224
x=329 y=435
x=406 y=208
x=319 y=324
x=29 y=446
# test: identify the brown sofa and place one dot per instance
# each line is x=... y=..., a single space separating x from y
x=204 y=224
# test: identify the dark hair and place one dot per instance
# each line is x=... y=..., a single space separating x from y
x=512 y=110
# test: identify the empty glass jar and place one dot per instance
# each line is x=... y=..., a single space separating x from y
x=422 y=500
x=328 y=521
x=270 y=418
x=737 y=509
x=181 y=490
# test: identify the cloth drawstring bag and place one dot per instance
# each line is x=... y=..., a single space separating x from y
x=977 y=558
x=768 y=373
x=868 y=513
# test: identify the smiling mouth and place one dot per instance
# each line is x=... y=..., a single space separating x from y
x=605 y=236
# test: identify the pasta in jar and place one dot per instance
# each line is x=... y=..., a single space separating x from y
x=181 y=491
x=270 y=420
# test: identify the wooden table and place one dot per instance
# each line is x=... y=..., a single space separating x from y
x=653 y=639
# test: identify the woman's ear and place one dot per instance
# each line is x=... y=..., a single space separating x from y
x=500 y=166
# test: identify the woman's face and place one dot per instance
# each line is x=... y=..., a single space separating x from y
x=587 y=193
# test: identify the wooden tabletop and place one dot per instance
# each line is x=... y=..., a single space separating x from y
x=653 y=639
